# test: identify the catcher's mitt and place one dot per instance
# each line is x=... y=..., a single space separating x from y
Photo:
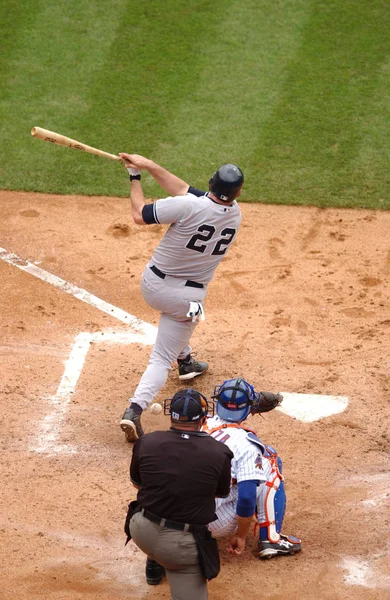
x=266 y=401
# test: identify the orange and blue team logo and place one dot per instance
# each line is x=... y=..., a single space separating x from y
x=259 y=461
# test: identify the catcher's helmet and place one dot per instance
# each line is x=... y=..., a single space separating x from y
x=234 y=399
x=226 y=182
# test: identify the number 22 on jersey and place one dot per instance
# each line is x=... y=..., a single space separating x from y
x=203 y=238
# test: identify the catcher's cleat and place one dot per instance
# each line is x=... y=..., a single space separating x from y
x=190 y=368
x=131 y=425
x=288 y=544
x=154 y=572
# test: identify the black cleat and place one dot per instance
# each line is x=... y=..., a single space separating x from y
x=154 y=572
x=288 y=544
x=131 y=425
x=190 y=368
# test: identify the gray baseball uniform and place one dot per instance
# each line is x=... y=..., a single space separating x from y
x=200 y=233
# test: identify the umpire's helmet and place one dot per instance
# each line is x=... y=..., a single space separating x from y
x=226 y=182
x=187 y=406
x=234 y=399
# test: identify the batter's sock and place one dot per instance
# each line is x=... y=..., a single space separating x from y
x=185 y=360
x=136 y=408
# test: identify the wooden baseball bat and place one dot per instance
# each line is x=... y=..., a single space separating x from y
x=62 y=140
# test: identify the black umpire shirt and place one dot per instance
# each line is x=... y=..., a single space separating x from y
x=180 y=473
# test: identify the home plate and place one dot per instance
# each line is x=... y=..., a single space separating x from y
x=311 y=407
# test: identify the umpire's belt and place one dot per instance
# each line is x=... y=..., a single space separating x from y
x=168 y=523
x=188 y=283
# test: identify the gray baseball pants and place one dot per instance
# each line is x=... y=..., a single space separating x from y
x=171 y=297
x=176 y=551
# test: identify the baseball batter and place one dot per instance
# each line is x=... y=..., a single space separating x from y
x=257 y=481
x=203 y=226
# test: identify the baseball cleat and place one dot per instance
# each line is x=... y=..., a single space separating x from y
x=131 y=425
x=288 y=544
x=188 y=369
x=154 y=572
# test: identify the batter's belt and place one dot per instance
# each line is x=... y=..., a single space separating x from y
x=188 y=283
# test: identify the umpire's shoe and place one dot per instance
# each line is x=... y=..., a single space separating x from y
x=288 y=544
x=190 y=368
x=131 y=423
x=154 y=572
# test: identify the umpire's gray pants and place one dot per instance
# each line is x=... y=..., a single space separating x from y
x=171 y=297
x=174 y=550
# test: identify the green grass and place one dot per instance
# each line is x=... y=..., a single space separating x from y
x=294 y=91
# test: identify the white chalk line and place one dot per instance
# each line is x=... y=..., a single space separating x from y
x=364 y=573
x=50 y=427
x=378 y=486
x=130 y=320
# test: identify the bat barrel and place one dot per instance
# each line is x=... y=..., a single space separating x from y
x=62 y=140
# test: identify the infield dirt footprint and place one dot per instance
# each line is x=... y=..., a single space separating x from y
x=118 y=230
x=29 y=213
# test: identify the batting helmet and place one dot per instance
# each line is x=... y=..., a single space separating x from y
x=226 y=182
x=234 y=399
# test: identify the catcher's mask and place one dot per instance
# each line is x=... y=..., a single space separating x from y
x=188 y=406
x=226 y=182
x=234 y=399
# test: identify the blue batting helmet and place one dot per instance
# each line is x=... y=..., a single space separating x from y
x=234 y=399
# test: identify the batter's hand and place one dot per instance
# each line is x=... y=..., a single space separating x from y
x=237 y=545
x=136 y=161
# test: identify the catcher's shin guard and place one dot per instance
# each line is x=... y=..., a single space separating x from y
x=275 y=500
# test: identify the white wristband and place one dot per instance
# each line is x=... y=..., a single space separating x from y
x=133 y=171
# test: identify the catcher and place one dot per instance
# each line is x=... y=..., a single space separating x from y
x=257 y=480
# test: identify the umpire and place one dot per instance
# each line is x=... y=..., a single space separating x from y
x=179 y=473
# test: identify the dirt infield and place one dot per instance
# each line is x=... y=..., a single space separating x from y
x=300 y=304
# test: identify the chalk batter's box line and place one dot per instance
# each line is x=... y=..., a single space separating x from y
x=48 y=431
x=81 y=294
